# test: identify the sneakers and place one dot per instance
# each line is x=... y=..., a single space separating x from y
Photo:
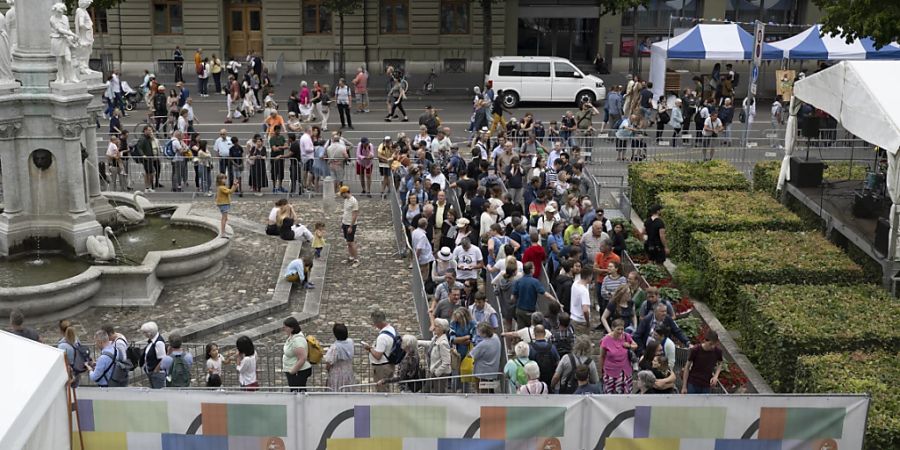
x=346 y=261
x=355 y=263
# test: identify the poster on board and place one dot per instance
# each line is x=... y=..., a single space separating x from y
x=784 y=84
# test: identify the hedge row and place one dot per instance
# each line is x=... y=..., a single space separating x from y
x=784 y=322
x=874 y=373
x=730 y=259
x=765 y=176
x=688 y=212
x=845 y=170
x=649 y=179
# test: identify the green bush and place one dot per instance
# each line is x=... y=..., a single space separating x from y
x=634 y=246
x=765 y=176
x=730 y=259
x=648 y=179
x=844 y=170
x=874 y=373
x=688 y=278
x=687 y=212
x=785 y=321
x=653 y=273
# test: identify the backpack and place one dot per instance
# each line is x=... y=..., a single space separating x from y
x=521 y=377
x=179 y=374
x=120 y=369
x=82 y=355
x=618 y=123
x=169 y=149
x=457 y=164
x=133 y=355
x=570 y=384
x=664 y=117
x=543 y=356
x=313 y=350
x=397 y=353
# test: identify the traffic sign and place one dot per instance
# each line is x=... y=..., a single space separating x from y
x=754 y=74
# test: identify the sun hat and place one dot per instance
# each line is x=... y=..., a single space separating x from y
x=550 y=209
x=445 y=254
x=462 y=222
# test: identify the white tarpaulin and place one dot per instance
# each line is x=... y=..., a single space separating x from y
x=863 y=97
x=248 y=421
x=33 y=391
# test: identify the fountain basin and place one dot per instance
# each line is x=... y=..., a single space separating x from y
x=123 y=285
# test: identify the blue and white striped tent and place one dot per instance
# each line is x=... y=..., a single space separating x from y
x=723 y=42
x=810 y=44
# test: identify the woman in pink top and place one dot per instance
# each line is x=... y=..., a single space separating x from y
x=305 y=105
x=614 y=359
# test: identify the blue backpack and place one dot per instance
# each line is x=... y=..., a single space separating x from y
x=397 y=353
x=169 y=149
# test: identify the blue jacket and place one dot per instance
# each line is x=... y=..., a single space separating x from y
x=614 y=103
x=103 y=370
x=643 y=332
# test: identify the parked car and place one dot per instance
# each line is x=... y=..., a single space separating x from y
x=543 y=79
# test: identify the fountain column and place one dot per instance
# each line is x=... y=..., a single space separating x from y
x=48 y=194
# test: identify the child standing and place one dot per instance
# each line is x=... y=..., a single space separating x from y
x=223 y=199
x=318 y=242
x=213 y=365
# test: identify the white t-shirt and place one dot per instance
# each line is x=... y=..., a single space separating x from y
x=350 y=205
x=466 y=259
x=273 y=215
x=527 y=334
x=223 y=147
x=383 y=344
x=112 y=150
x=580 y=296
x=712 y=125
x=247 y=370
x=422 y=246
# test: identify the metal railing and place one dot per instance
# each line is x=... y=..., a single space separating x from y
x=439 y=385
x=417 y=283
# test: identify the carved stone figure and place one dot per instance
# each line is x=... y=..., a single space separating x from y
x=84 y=29
x=42 y=158
x=5 y=51
x=12 y=25
x=62 y=42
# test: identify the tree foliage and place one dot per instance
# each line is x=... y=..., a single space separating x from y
x=342 y=7
x=853 y=19
x=618 y=6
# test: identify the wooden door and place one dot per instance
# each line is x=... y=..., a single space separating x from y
x=244 y=29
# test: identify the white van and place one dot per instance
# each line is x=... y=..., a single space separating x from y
x=543 y=79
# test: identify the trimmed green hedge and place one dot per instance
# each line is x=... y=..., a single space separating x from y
x=785 y=321
x=844 y=170
x=648 y=179
x=730 y=259
x=687 y=212
x=874 y=373
x=765 y=176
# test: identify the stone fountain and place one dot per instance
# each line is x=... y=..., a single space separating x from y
x=49 y=101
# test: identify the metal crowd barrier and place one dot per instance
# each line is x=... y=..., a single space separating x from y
x=417 y=284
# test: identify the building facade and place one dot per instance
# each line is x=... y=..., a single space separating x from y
x=445 y=35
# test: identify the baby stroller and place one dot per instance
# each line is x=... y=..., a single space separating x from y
x=129 y=96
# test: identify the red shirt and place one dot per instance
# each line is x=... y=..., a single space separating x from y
x=536 y=255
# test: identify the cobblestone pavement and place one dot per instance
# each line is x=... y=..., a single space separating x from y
x=250 y=273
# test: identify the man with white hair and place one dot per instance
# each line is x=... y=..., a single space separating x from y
x=592 y=240
x=101 y=370
x=151 y=360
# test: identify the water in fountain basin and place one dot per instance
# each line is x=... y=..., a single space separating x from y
x=29 y=270
x=159 y=234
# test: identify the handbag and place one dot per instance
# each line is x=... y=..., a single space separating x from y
x=467 y=367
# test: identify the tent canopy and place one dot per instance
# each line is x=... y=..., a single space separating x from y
x=860 y=96
x=35 y=412
x=725 y=41
x=810 y=44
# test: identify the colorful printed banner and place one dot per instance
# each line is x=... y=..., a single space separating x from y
x=125 y=419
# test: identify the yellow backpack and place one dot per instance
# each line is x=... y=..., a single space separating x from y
x=313 y=350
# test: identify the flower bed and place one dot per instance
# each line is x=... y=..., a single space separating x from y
x=784 y=322
x=687 y=212
x=871 y=372
x=765 y=176
x=649 y=179
x=730 y=259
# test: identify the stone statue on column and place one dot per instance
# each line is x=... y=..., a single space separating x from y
x=12 y=25
x=84 y=29
x=5 y=51
x=62 y=44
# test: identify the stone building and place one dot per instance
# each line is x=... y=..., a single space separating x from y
x=420 y=34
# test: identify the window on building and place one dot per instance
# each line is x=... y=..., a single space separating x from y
x=394 y=16
x=777 y=11
x=455 y=16
x=316 y=17
x=657 y=12
x=167 y=17
x=98 y=15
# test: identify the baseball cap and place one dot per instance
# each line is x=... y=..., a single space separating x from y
x=387 y=138
x=364 y=140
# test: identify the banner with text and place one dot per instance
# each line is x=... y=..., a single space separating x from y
x=134 y=419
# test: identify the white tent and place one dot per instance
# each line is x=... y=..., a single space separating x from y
x=812 y=44
x=862 y=96
x=34 y=414
x=727 y=41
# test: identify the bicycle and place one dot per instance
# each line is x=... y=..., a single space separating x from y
x=428 y=87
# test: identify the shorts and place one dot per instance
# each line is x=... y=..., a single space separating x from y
x=308 y=165
x=360 y=169
x=349 y=232
x=224 y=208
x=148 y=165
x=385 y=172
x=362 y=97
